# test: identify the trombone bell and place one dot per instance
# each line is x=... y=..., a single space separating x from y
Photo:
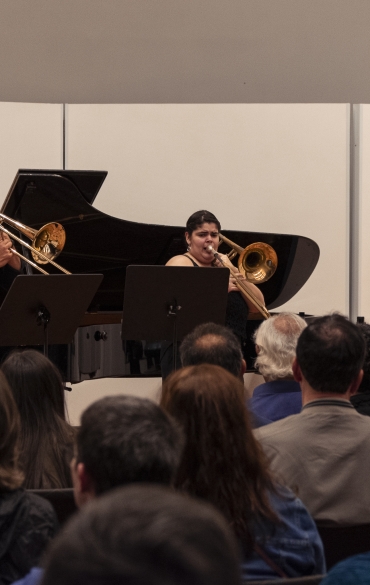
x=257 y=262
x=49 y=240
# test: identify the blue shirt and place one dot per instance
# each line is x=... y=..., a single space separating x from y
x=32 y=578
x=294 y=544
x=352 y=571
x=277 y=399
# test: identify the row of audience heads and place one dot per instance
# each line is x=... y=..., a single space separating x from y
x=330 y=353
x=199 y=440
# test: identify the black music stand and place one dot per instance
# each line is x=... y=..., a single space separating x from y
x=39 y=309
x=167 y=302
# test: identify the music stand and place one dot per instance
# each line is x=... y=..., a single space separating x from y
x=167 y=302
x=39 y=310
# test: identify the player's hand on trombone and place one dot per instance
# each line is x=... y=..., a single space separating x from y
x=234 y=275
x=6 y=256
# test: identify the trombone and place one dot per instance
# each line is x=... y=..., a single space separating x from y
x=47 y=242
x=257 y=262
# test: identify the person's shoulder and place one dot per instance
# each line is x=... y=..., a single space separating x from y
x=180 y=260
x=278 y=428
x=352 y=571
x=40 y=508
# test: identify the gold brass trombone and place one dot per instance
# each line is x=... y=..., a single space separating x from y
x=47 y=242
x=257 y=263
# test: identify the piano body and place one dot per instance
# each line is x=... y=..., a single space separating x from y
x=99 y=243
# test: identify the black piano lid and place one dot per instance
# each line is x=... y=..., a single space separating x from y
x=99 y=243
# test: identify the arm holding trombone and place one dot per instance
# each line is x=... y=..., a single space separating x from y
x=238 y=283
x=7 y=258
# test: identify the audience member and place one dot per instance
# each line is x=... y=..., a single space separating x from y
x=124 y=439
x=144 y=535
x=46 y=440
x=352 y=571
x=213 y=344
x=216 y=345
x=361 y=400
x=27 y=522
x=223 y=464
x=121 y=440
x=276 y=342
x=323 y=451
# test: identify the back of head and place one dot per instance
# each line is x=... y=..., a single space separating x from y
x=212 y=344
x=45 y=436
x=276 y=340
x=11 y=476
x=125 y=439
x=144 y=535
x=330 y=353
x=222 y=461
x=36 y=385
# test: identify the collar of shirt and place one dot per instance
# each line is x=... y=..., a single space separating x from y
x=328 y=402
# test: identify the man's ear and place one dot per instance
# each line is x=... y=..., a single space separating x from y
x=356 y=383
x=83 y=485
x=297 y=373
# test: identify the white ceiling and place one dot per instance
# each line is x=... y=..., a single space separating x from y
x=163 y=51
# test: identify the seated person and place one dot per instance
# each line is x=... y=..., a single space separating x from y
x=276 y=342
x=144 y=535
x=27 y=522
x=46 y=438
x=223 y=464
x=121 y=440
x=321 y=451
x=214 y=344
x=361 y=400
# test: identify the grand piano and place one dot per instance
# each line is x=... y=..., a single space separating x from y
x=99 y=243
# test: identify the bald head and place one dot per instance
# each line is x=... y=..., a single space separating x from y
x=213 y=344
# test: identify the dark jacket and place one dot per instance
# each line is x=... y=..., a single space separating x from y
x=361 y=402
x=27 y=523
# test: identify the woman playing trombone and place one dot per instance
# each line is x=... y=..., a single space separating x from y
x=202 y=238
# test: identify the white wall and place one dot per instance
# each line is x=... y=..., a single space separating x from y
x=31 y=137
x=260 y=167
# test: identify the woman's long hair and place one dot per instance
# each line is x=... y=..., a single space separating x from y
x=222 y=461
x=11 y=476
x=46 y=438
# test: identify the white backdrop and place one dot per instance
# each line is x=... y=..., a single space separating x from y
x=260 y=167
x=31 y=137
